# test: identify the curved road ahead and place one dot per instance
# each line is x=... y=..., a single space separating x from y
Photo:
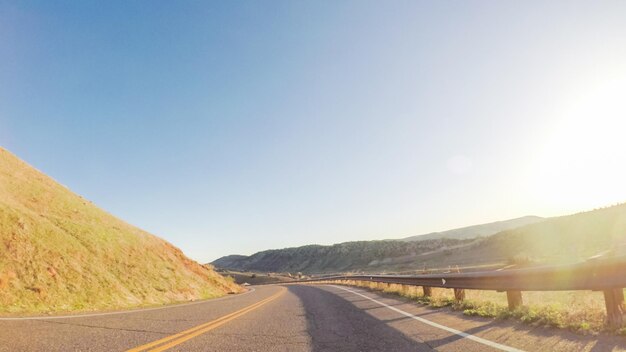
x=291 y=318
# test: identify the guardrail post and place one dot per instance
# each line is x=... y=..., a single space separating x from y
x=614 y=301
x=514 y=298
x=428 y=291
x=459 y=294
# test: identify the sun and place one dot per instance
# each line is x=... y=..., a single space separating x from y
x=583 y=162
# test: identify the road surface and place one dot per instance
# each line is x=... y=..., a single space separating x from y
x=292 y=318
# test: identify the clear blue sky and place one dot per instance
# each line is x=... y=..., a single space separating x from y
x=232 y=126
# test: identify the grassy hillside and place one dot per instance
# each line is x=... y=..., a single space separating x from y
x=347 y=256
x=482 y=230
x=562 y=239
x=60 y=252
x=556 y=240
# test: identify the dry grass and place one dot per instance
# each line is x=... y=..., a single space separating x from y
x=579 y=311
x=62 y=253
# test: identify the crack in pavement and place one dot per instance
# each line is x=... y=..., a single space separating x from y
x=104 y=327
x=174 y=320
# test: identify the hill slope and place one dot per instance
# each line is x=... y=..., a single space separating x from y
x=230 y=261
x=347 y=256
x=557 y=240
x=60 y=252
x=561 y=239
x=482 y=230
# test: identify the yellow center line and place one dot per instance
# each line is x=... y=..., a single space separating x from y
x=202 y=328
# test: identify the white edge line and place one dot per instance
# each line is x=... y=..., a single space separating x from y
x=443 y=327
x=140 y=310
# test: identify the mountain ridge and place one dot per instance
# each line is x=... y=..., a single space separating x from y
x=344 y=256
x=480 y=230
x=562 y=239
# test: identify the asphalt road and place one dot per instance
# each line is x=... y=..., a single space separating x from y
x=292 y=318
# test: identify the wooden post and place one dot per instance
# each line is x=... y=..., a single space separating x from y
x=614 y=301
x=459 y=294
x=428 y=291
x=514 y=298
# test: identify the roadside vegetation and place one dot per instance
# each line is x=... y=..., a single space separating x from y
x=579 y=311
x=59 y=252
x=257 y=278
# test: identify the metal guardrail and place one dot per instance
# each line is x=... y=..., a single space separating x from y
x=607 y=275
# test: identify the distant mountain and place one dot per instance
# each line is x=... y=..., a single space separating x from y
x=483 y=230
x=230 y=261
x=560 y=239
x=367 y=255
x=347 y=256
x=556 y=240
x=60 y=252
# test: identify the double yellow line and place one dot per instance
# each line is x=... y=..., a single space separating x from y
x=176 y=339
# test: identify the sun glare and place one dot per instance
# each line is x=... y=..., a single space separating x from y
x=584 y=161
